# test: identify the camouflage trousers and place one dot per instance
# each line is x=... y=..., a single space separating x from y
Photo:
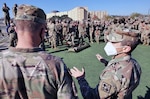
x=12 y=39
x=146 y=40
x=91 y=37
x=52 y=40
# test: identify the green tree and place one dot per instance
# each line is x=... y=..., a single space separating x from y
x=134 y=15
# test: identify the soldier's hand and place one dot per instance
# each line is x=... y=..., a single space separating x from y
x=75 y=72
x=99 y=57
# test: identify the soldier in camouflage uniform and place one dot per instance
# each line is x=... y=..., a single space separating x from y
x=65 y=28
x=52 y=34
x=82 y=32
x=146 y=34
x=107 y=30
x=91 y=30
x=27 y=72
x=14 y=9
x=59 y=35
x=12 y=35
x=121 y=75
x=97 y=34
x=6 y=9
x=141 y=29
x=71 y=34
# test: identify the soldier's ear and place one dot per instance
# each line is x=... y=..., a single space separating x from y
x=126 y=49
x=42 y=32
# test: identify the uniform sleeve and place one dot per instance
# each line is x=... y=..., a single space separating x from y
x=66 y=87
x=108 y=87
x=105 y=62
x=86 y=91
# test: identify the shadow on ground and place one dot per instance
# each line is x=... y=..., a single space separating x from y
x=59 y=50
x=147 y=94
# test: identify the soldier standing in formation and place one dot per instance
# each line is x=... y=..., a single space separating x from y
x=12 y=34
x=28 y=72
x=82 y=32
x=59 y=35
x=87 y=26
x=145 y=33
x=52 y=34
x=65 y=27
x=15 y=10
x=6 y=9
x=121 y=75
x=97 y=34
x=71 y=34
x=91 y=30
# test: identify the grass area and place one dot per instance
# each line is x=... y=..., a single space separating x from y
x=87 y=59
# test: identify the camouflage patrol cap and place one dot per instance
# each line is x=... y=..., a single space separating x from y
x=29 y=12
x=121 y=36
x=114 y=37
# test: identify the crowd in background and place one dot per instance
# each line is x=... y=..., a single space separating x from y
x=95 y=31
x=73 y=33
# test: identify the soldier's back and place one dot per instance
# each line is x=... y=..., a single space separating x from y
x=33 y=74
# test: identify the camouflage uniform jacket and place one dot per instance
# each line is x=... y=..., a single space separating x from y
x=34 y=74
x=120 y=78
x=117 y=81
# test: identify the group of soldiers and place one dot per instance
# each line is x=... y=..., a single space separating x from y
x=140 y=25
x=9 y=23
x=5 y=10
x=59 y=31
x=74 y=32
x=94 y=30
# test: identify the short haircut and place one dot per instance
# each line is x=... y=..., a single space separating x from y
x=130 y=41
x=25 y=25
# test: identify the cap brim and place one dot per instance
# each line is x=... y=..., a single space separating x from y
x=113 y=37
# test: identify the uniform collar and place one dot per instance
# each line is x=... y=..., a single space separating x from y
x=25 y=50
x=119 y=59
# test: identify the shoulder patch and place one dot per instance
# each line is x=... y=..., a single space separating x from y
x=106 y=87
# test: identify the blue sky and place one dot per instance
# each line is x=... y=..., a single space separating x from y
x=113 y=7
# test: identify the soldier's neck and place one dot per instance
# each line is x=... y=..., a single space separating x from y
x=120 y=55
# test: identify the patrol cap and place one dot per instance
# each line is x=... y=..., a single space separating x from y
x=120 y=36
x=29 y=12
x=114 y=37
